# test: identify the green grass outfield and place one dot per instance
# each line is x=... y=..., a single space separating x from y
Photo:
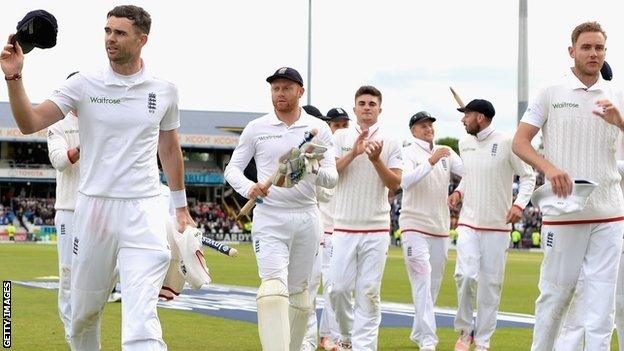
x=36 y=325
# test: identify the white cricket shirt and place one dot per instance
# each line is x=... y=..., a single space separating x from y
x=266 y=139
x=361 y=198
x=120 y=118
x=581 y=143
x=486 y=188
x=424 y=207
x=62 y=136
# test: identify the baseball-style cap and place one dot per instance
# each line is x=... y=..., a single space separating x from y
x=313 y=111
x=481 y=106
x=337 y=114
x=606 y=72
x=421 y=116
x=37 y=29
x=288 y=73
x=552 y=205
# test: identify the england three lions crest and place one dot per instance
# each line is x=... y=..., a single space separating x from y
x=494 y=149
x=151 y=102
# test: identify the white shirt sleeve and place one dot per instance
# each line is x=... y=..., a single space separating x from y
x=395 y=159
x=457 y=165
x=461 y=188
x=411 y=178
x=324 y=194
x=620 y=167
x=537 y=111
x=69 y=94
x=57 y=147
x=327 y=176
x=338 y=140
x=527 y=179
x=238 y=162
x=171 y=119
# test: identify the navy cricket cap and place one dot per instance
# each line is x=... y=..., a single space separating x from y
x=481 y=106
x=313 y=111
x=336 y=114
x=288 y=73
x=606 y=72
x=37 y=29
x=421 y=116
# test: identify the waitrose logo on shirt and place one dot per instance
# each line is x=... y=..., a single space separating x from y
x=104 y=100
x=565 y=104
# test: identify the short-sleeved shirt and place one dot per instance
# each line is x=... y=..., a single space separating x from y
x=120 y=118
x=580 y=143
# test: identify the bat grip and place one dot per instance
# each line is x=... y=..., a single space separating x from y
x=252 y=201
x=222 y=248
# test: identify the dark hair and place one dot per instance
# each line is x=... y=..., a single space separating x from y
x=368 y=90
x=140 y=18
x=587 y=27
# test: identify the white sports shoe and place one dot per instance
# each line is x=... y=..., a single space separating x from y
x=482 y=348
x=428 y=348
x=344 y=345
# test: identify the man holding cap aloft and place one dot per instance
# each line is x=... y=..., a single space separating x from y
x=580 y=121
x=128 y=118
x=286 y=224
x=425 y=221
x=485 y=221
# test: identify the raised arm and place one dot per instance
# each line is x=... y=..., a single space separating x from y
x=29 y=119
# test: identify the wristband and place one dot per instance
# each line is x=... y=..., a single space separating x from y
x=178 y=198
x=15 y=76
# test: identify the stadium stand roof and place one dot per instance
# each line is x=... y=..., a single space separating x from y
x=200 y=129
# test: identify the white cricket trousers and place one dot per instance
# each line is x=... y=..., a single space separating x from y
x=285 y=243
x=64 y=223
x=356 y=269
x=479 y=273
x=425 y=259
x=619 y=304
x=311 y=335
x=573 y=330
x=593 y=251
x=328 y=327
x=129 y=233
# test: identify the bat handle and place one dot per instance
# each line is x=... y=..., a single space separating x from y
x=222 y=248
x=252 y=202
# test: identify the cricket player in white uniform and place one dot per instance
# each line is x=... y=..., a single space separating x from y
x=126 y=117
x=485 y=221
x=572 y=331
x=425 y=221
x=337 y=118
x=580 y=121
x=286 y=224
x=64 y=153
x=370 y=164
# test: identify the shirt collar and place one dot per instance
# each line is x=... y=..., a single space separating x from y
x=482 y=135
x=424 y=144
x=575 y=83
x=371 y=130
x=303 y=121
x=112 y=78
